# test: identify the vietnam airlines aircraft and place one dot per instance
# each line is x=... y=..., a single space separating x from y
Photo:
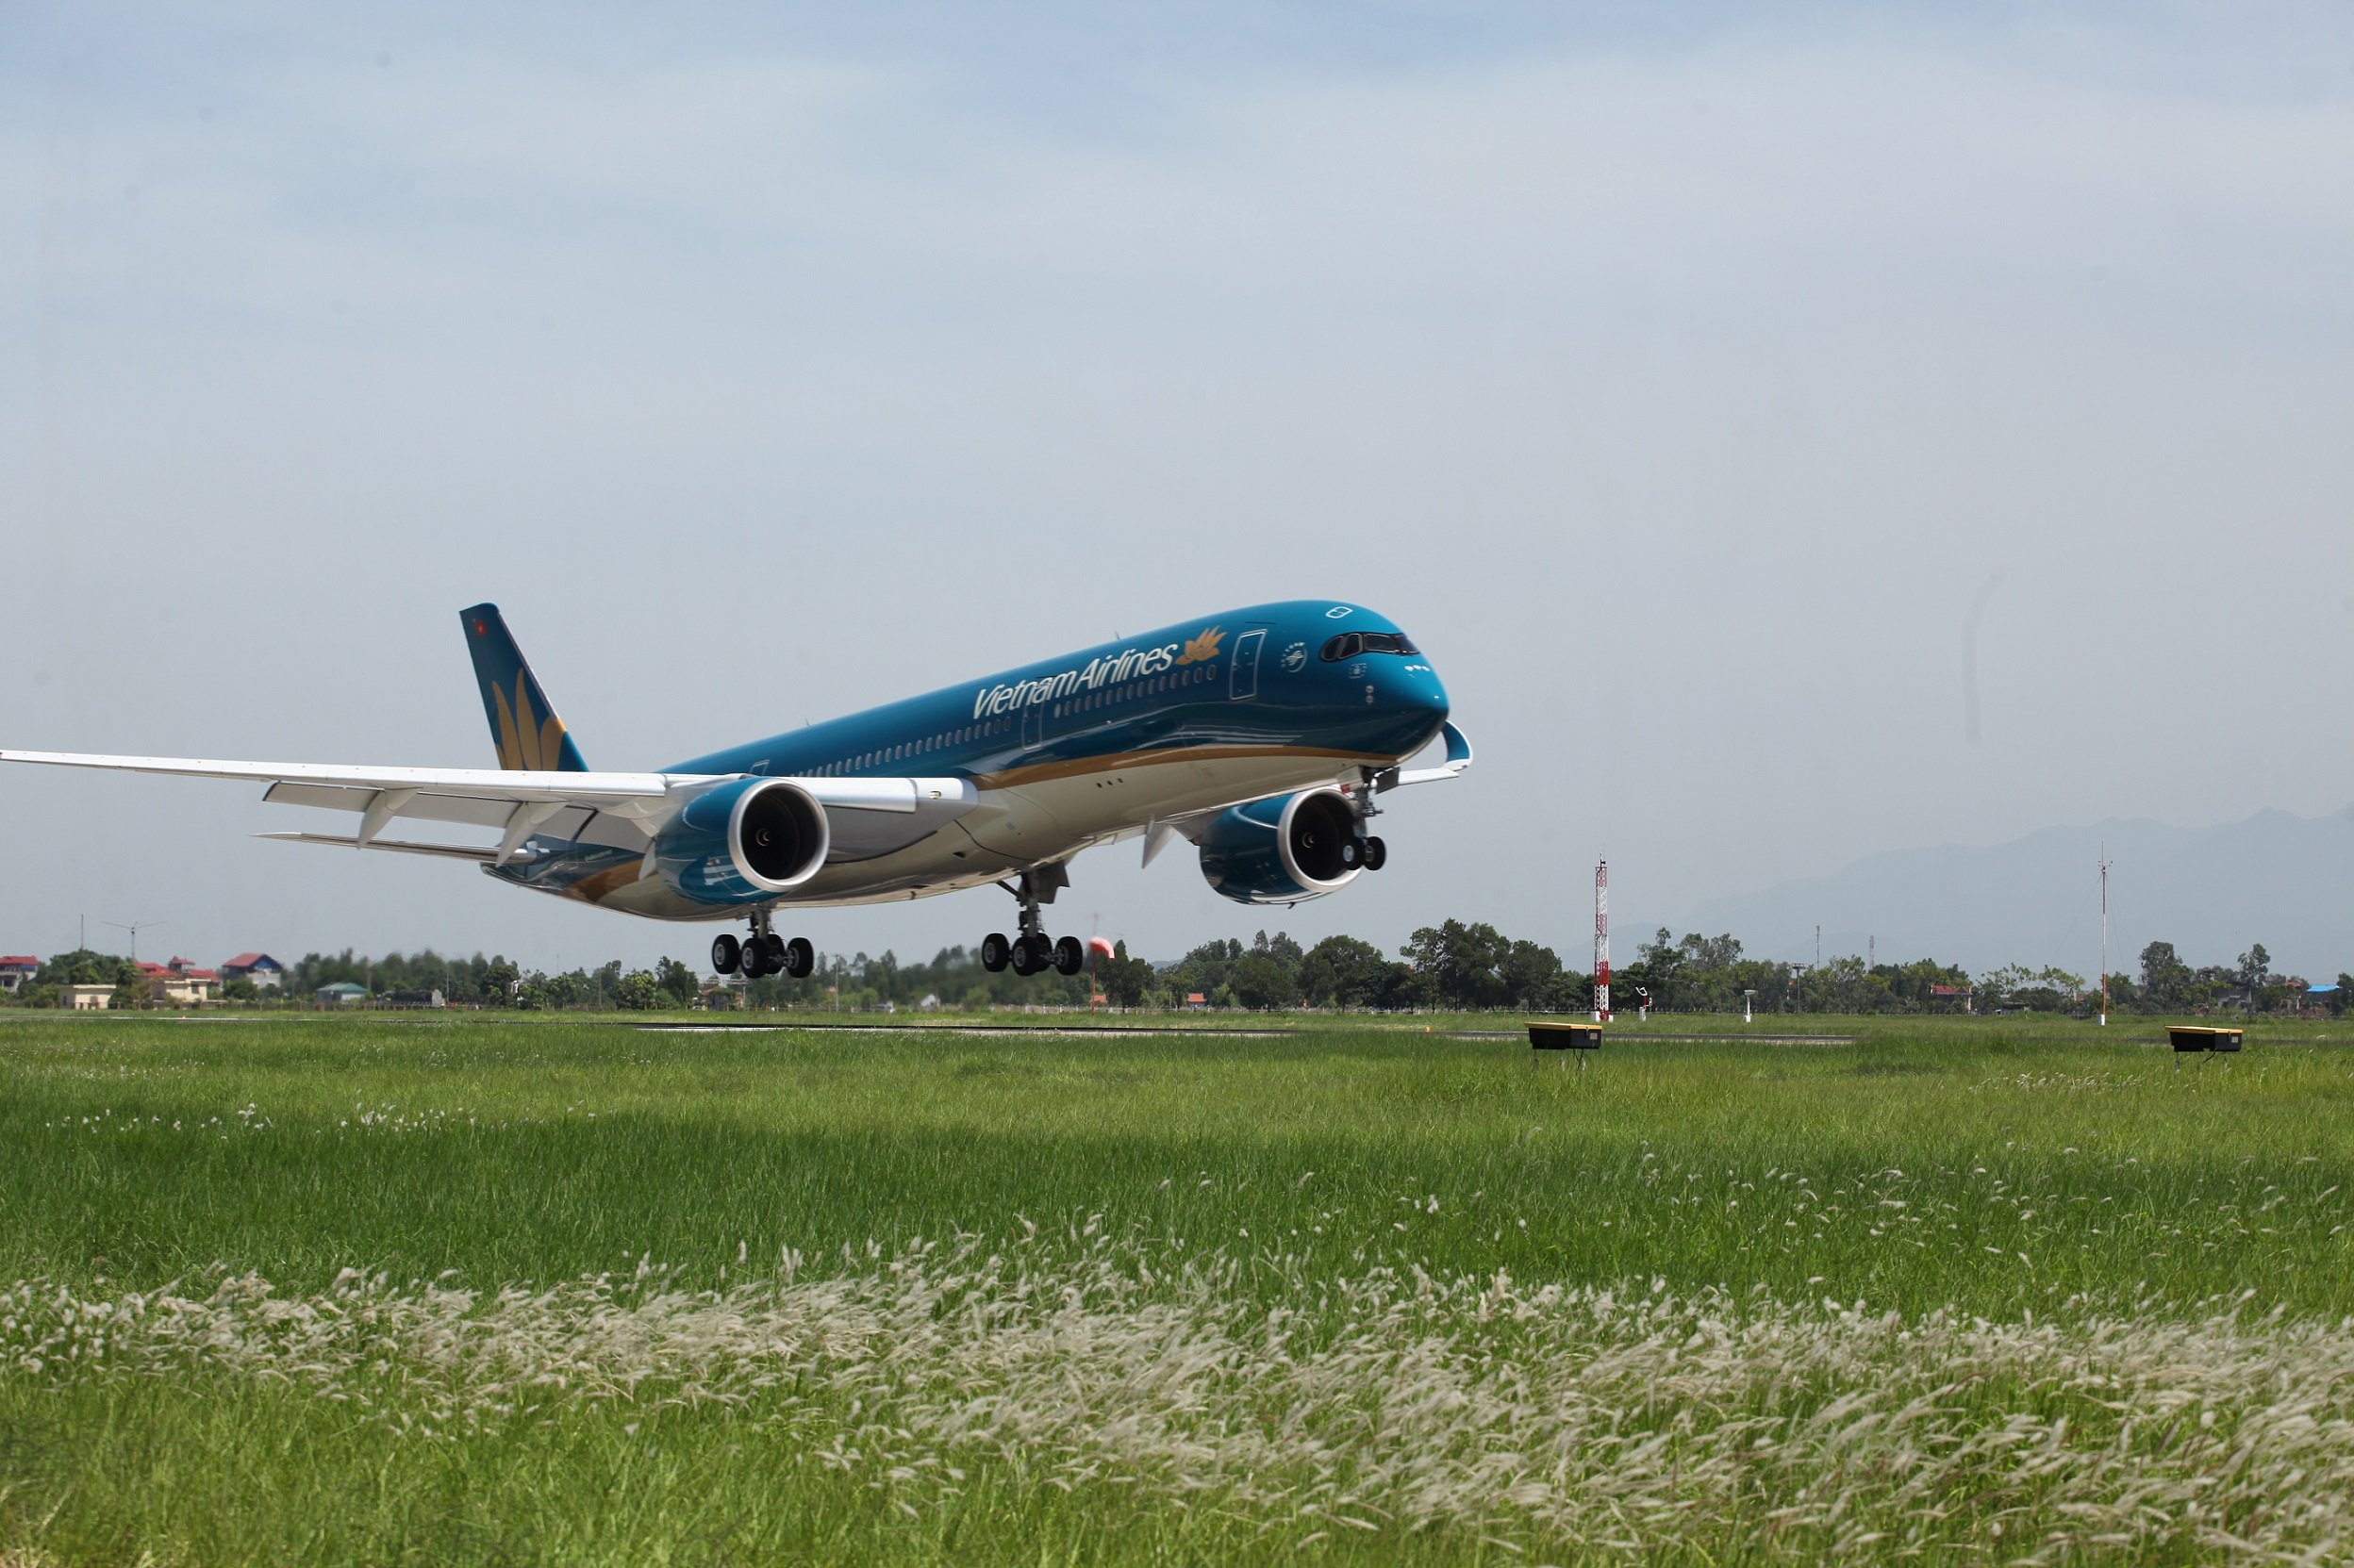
x=1264 y=736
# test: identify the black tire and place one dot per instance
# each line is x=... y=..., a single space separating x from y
x=801 y=959
x=1069 y=956
x=753 y=959
x=1376 y=854
x=996 y=953
x=726 y=953
x=1029 y=956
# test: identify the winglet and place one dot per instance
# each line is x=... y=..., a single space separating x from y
x=523 y=724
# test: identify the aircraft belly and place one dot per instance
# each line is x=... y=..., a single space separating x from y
x=1091 y=806
x=1010 y=830
x=1015 y=824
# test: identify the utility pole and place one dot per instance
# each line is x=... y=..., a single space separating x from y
x=2104 y=933
x=1601 y=941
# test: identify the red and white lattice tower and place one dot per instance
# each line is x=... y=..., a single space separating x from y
x=1601 y=941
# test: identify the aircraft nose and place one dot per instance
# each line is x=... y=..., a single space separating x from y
x=1414 y=687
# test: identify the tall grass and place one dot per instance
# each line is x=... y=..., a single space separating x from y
x=576 y=1292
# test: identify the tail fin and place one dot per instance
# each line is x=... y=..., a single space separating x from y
x=523 y=725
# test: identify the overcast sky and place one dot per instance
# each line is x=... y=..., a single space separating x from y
x=1692 y=389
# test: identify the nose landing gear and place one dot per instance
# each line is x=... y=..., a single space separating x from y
x=1366 y=852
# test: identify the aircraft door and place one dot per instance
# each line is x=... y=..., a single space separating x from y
x=1242 y=674
x=1033 y=726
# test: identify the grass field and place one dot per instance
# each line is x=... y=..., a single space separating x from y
x=495 y=1289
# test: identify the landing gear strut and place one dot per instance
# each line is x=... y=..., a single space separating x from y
x=1032 y=950
x=763 y=952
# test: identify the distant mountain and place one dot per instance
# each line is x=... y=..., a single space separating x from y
x=2287 y=882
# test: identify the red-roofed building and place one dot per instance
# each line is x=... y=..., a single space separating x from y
x=17 y=971
x=180 y=983
x=264 y=971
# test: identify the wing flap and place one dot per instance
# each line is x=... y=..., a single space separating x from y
x=398 y=846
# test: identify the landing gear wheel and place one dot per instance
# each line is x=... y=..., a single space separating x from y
x=800 y=958
x=1030 y=954
x=1070 y=957
x=754 y=957
x=1376 y=854
x=996 y=953
x=725 y=953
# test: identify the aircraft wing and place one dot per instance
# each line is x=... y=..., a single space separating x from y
x=623 y=811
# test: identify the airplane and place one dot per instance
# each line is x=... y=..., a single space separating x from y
x=1264 y=736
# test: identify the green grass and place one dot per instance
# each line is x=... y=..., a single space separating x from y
x=1166 y=1298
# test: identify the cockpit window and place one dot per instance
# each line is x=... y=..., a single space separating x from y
x=1348 y=644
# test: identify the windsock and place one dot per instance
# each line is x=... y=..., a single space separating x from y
x=1099 y=944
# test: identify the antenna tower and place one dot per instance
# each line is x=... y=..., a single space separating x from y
x=2104 y=933
x=1601 y=941
x=135 y=926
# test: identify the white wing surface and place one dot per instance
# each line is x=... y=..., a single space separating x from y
x=623 y=811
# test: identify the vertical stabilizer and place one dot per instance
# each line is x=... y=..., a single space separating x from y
x=523 y=724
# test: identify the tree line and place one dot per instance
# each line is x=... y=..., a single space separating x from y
x=1454 y=965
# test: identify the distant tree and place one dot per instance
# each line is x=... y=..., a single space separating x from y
x=86 y=966
x=2166 y=981
x=1532 y=978
x=500 y=983
x=241 y=988
x=1261 y=982
x=637 y=991
x=1342 y=971
x=1123 y=980
x=2255 y=967
x=680 y=984
x=1460 y=962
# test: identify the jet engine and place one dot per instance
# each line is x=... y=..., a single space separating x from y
x=1283 y=850
x=741 y=841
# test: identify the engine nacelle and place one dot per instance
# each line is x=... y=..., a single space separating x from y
x=743 y=841
x=1284 y=849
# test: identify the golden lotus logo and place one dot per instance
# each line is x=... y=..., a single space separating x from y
x=1203 y=648
x=527 y=743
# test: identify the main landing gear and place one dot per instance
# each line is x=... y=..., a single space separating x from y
x=1032 y=951
x=763 y=952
